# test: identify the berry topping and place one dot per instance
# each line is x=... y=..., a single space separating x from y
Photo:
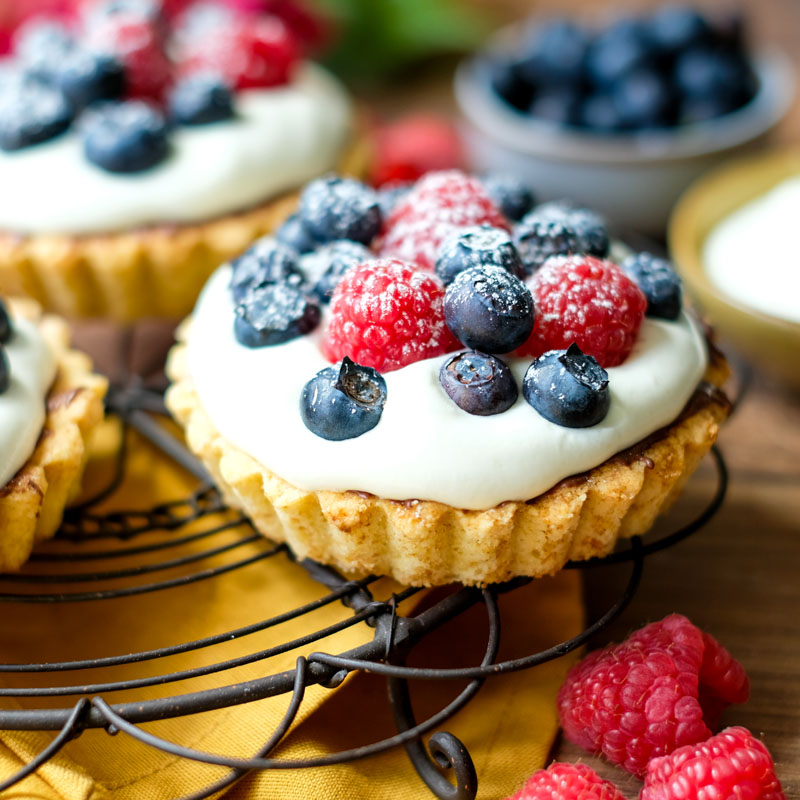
x=510 y=194
x=386 y=314
x=31 y=113
x=733 y=764
x=489 y=309
x=138 y=45
x=567 y=782
x=125 y=137
x=327 y=266
x=5 y=370
x=568 y=387
x=416 y=144
x=344 y=401
x=478 y=383
x=6 y=328
x=201 y=99
x=41 y=44
x=641 y=699
x=247 y=53
x=390 y=194
x=439 y=204
x=538 y=237
x=659 y=282
x=589 y=226
x=295 y=235
x=86 y=77
x=265 y=262
x=274 y=313
x=588 y=301
x=478 y=246
x=340 y=208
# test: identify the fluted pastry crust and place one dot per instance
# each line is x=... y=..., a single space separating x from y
x=32 y=503
x=423 y=543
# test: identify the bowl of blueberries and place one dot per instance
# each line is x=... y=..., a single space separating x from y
x=620 y=116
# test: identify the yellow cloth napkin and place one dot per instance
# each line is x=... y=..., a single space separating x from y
x=508 y=728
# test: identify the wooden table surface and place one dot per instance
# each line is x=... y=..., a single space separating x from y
x=739 y=577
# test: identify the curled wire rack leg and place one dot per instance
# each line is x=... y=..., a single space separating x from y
x=73 y=728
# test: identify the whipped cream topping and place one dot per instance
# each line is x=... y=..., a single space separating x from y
x=22 y=405
x=280 y=138
x=425 y=447
x=751 y=255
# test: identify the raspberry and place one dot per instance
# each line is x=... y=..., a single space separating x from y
x=732 y=764
x=567 y=782
x=138 y=45
x=643 y=698
x=589 y=301
x=413 y=145
x=439 y=204
x=386 y=314
x=249 y=53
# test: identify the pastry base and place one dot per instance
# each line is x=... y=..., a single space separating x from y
x=149 y=272
x=424 y=543
x=32 y=503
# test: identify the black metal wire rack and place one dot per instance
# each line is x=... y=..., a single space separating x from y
x=65 y=576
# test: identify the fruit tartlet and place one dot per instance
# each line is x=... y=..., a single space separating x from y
x=449 y=385
x=50 y=404
x=137 y=156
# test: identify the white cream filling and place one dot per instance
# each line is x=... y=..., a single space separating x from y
x=22 y=405
x=280 y=138
x=425 y=447
x=751 y=255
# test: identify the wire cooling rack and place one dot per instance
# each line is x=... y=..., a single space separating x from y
x=66 y=576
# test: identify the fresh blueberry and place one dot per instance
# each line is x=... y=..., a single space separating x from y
x=326 y=267
x=599 y=113
x=41 y=46
x=266 y=262
x=559 y=104
x=568 y=387
x=674 y=28
x=125 y=137
x=340 y=208
x=344 y=401
x=589 y=227
x=479 y=383
x=273 y=314
x=643 y=100
x=31 y=113
x=701 y=109
x=477 y=246
x=295 y=235
x=659 y=282
x=201 y=99
x=615 y=52
x=554 y=53
x=538 y=237
x=99 y=13
x=390 y=194
x=5 y=370
x=489 y=309
x=512 y=195
x=506 y=80
x=86 y=77
x=704 y=73
x=6 y=328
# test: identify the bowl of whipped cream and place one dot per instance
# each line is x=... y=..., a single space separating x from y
x=733 y=238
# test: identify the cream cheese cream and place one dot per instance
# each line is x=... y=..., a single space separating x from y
x=22 y=405
x=425 y=447
x=751 y=257
x=280 y=138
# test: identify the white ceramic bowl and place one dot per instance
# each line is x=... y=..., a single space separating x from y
x=632 y=178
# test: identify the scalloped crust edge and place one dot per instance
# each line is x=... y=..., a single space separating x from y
x=32 y=503
x=425 y=543
x=156 y=271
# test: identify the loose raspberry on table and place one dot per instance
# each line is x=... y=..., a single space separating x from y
x=438 y=205
x=589 y=301
x=731 y=765
x=644 y=698
x=567 y=782
x=387 y=314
